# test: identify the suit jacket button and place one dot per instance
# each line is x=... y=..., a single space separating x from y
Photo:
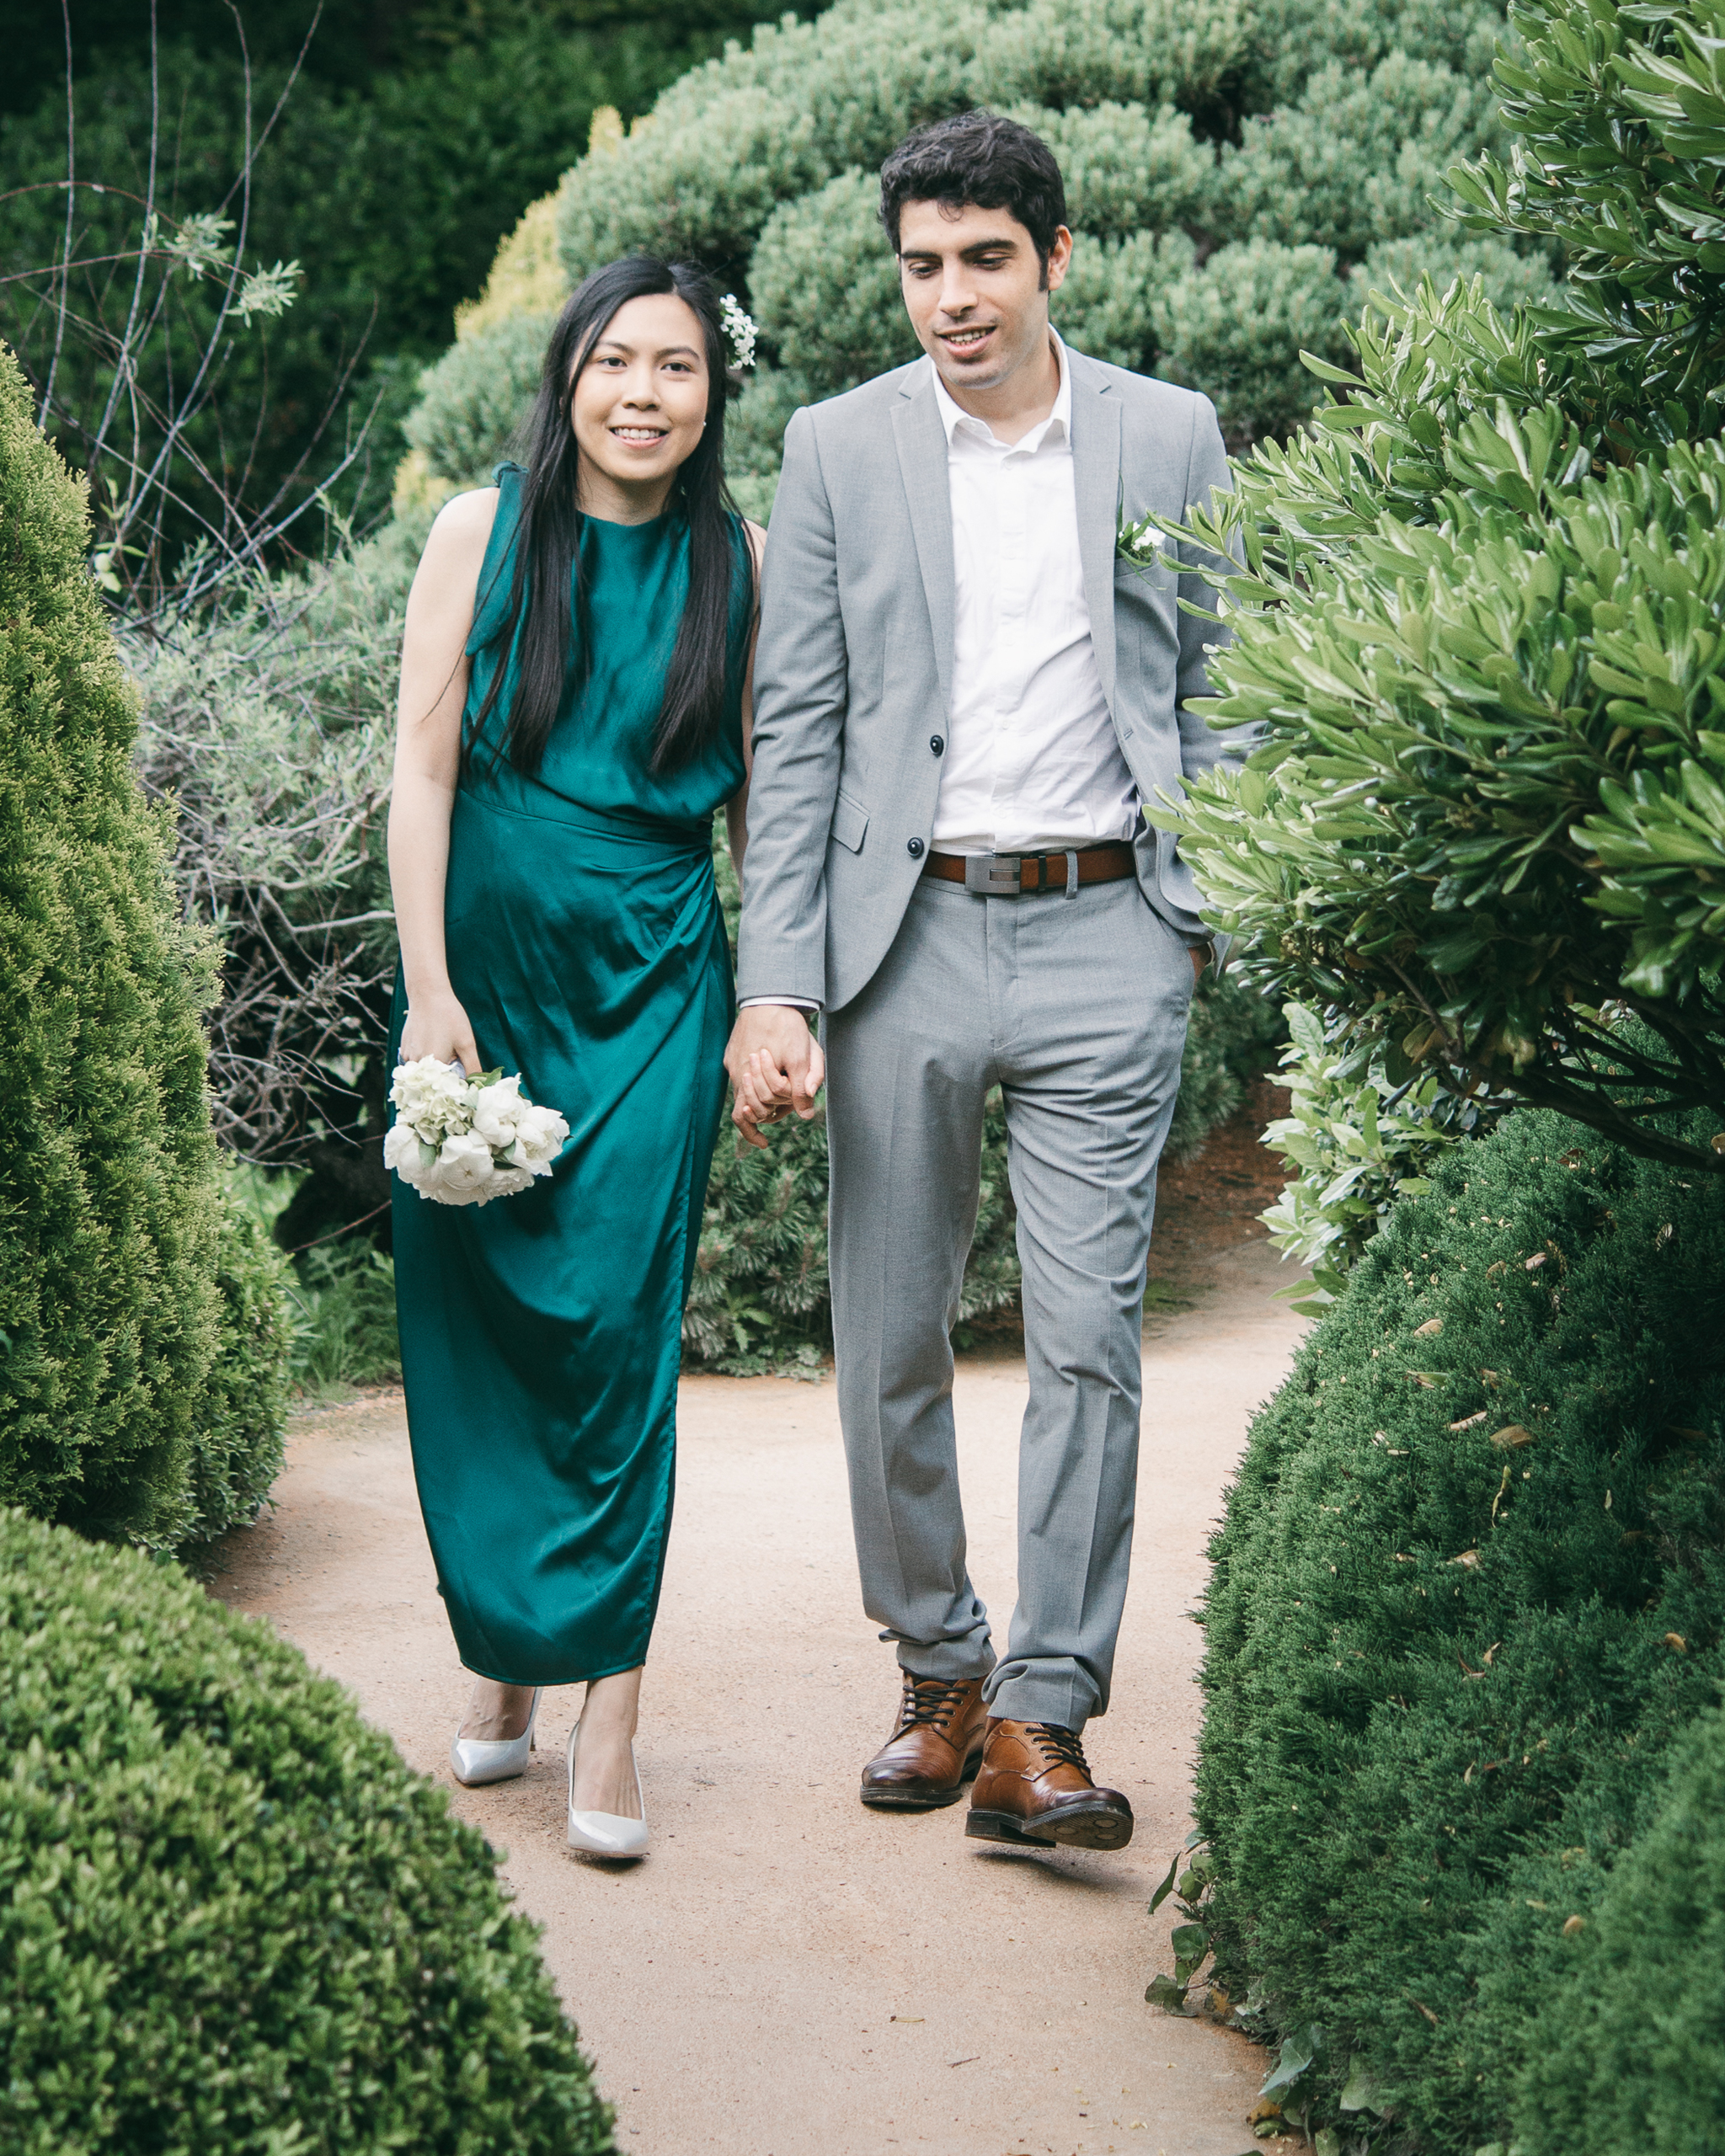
x=938 y=745
x=914 y=848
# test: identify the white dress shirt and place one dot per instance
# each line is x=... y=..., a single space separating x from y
x=1033 y=764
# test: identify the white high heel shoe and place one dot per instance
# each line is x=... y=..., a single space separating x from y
x=475 y=1760
x=603 y=1834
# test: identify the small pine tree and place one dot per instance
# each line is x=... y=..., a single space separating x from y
x=109 y=1311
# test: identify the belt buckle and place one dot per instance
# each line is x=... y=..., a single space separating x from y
x=994 y=875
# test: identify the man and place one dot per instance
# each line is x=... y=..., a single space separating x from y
x=963 y=698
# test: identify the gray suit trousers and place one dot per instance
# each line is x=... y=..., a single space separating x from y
x=1076 y=1009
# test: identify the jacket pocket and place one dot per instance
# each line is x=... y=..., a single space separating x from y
x=850 y=821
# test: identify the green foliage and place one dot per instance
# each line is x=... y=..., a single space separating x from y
x=1479 y=625
x=472 y=399
x=1355 y=1140
x=110 y=1313
x=1227 y=165
x=345 y=1298
x=1621 y=141
x=1628 y=2050
x=1236 y=330
x=237 y=1442
x=1468 y=1592
x=1490 y=801
x=143 y=1330
x=233 y=1920
x=267 y=735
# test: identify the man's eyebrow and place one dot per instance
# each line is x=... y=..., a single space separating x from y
x=1003 y=244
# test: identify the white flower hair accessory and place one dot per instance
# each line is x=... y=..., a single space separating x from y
x=740 y=328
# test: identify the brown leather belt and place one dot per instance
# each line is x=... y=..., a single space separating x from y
x=1013 y=875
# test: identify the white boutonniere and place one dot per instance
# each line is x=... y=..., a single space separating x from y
x=1139 y=543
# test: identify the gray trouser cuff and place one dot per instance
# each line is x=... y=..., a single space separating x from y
x=954 y=1661
x=1062 y=1697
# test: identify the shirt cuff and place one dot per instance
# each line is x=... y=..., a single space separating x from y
x=777 y=1002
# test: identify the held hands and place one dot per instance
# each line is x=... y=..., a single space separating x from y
x=436 y=1025
x=776 y=1067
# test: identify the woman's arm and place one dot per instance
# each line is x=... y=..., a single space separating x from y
x=428 y=747
x=736 y=809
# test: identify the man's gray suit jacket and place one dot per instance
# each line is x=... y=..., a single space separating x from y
x=854 y=665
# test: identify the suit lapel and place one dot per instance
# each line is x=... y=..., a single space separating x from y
x=1095 y=477
x=922 y=462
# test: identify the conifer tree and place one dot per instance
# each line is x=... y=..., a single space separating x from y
x=109 y=1307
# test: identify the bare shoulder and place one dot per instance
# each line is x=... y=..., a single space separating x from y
x=455 y=547
x=757 y=542
x=464 y=522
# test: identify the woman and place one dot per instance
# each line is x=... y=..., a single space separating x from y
x=573 y=708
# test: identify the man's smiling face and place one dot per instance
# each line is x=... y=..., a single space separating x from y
x=974 y=289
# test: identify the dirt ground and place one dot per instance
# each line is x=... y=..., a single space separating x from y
x=788 y=1974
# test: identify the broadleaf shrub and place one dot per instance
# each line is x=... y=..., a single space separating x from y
x=1479 y=622
x=116 y=1309
x=1356 y=1137
x=233 y=1919
x=1469 y=1590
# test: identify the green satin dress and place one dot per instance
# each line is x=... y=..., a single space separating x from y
x=541 y=1333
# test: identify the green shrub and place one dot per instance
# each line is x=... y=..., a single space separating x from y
x=233 y=1920
x=347 y=1334
x=1355 y=1139
x=472 y=399
x=1628 y=2050
x=1469 y=1588
x=1237 y=327
x=142 y=1335
x=236 y=1443
x=266 y=735
x=109 y=1307
x=1307 y=134
x=1479 y=622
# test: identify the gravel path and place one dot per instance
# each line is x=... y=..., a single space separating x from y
x=788 y=1974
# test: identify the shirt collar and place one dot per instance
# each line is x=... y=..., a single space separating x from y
x=953 y=416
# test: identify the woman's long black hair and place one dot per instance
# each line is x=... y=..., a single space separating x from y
x=545 y=597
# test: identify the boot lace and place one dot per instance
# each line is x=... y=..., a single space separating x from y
x=1062 y=1748
x=928 y=1699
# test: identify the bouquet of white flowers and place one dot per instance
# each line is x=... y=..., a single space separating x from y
x=463 y=1141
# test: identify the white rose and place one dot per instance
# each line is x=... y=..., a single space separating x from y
x=463 y=1170
x=497 y=1112
x=401 y=1149
x=506 y=1182
x=539 y=1139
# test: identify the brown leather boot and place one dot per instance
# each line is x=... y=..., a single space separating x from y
x=933 y=1751
x=1034 y=1790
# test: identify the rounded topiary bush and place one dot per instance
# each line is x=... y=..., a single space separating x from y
x=1228 y=166
x=232 y=1922
x=1469 y=1588
x=1629 y=2049
x=111 y=1309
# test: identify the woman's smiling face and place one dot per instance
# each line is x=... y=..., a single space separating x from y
x=639 y=403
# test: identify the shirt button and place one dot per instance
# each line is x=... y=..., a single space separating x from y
x=914 y=848
x=938 y=745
